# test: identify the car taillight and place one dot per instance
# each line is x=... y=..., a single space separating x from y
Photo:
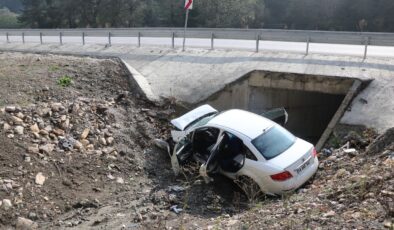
x=282 y=176
x=314 y=152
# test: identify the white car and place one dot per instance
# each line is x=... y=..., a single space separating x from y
x=238 y=143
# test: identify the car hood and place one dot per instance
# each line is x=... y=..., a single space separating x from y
x=182 y=122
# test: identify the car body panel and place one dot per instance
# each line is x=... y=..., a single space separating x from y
x=182 y=122
x=292 y=155
x=247 y=123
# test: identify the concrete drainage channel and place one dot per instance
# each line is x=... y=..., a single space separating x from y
x=315 y=103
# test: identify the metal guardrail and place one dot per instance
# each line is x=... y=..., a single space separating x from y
x=329 y=37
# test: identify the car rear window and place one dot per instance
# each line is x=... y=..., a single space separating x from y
x=274 y=142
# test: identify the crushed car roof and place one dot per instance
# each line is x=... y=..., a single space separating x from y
x=247 y=123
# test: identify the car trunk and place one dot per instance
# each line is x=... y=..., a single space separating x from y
x=296 y=158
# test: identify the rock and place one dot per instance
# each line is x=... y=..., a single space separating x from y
x=48 y=148
x=10 y=136
x=19 y=130
x=32 y=216
x=10 y=109
x=43 y=132
x=58 y=132
x=108 y=150
x=6 y=127
x=90 y=147
x=85 y=133
x=34 y=128
x=17 y=120
x=33 y=149
x=381 y=142
x=329 y=214
x=110 y=140
x=45 y=112
x=27 y=158
x=103 y=141
x=36 y=135
x=85 y=142
x=25 y=224
x=78 y=145
x=6 y=204
x=40 y=179
x=119 y=180
x=20 y=115
x=388 y=224
x=66 y=124
x=48 y=128
x=57 y=107
x=63 y=118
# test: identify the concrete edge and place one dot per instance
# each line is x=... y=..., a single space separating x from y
x=140 y=81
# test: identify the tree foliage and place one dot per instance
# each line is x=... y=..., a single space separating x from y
x=348 y=15
x=8 y=19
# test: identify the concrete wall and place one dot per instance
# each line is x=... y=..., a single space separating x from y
x=310 y=101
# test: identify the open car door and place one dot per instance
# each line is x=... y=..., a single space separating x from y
x=182 y=151
x=278 y=115
x=211 y=164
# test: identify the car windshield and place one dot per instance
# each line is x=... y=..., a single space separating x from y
x=274 y=142
x=201 y=121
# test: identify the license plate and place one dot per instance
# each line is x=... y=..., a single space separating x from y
x=303 y=166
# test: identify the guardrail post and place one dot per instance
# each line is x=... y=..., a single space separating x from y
x=8 y=38
x=41 y=38
x=212 y=40
x=366 y=42
x=109 y=39
x=257 y=43
x=61 y=38
x=23 y=37
x=139 y=39
x=83 y=38
x=173 y=40
x=308 y=40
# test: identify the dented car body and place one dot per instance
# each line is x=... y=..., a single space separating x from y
x=238 y=143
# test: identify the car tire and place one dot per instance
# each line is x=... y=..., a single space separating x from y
x=250 y=188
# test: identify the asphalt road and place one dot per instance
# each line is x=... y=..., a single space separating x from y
x=222 y=44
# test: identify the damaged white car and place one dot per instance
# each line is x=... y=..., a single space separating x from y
x=238 y=143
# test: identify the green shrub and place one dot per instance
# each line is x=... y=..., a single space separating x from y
x=8 y=19
x=65 y=81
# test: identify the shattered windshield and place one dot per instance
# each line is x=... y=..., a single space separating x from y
x=201 y=121
x=274 y=142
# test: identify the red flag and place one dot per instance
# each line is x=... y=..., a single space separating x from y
x=189 y=4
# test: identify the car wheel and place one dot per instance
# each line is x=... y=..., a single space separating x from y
x=250 y=188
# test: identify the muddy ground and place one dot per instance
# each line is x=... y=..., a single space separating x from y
x=114 y=178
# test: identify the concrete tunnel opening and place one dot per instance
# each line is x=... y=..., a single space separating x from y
x=315 y=104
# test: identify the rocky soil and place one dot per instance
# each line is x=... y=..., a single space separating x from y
x=81 y=157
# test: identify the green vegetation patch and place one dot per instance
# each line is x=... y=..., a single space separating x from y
x=65 y=81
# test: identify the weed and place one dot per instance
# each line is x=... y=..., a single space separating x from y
x=250 y=188
x=64 y=81
x=53 y=68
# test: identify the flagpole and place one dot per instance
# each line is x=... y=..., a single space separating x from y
x=184 y=32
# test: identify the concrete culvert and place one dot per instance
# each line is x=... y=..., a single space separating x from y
x=315 y=104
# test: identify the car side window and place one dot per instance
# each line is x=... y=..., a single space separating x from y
x=235 y=144
x=249 y=154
